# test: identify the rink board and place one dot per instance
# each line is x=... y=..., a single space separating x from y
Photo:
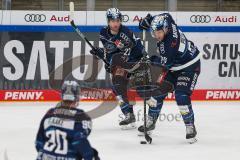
x=32 y=49
x=90 y=95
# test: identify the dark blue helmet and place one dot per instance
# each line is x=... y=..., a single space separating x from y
x=113 y=13
x=159 y=22
x=70 y=91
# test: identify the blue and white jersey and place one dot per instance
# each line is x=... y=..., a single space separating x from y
x=126 y=39
x=175 y=49
x=63 y=135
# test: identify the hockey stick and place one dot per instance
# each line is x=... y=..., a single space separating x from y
x=77 y=30
x=146 y=135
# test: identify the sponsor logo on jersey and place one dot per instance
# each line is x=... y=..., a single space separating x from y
x=174 y=27
x=184 y=78
x=161 y=48
x=124 y=37
x=23 y=95
x=194 y=81
x=182 y=84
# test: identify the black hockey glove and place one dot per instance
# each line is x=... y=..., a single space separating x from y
x=98 y=52
x=145 y=23
x=95 y=155
x=155 y=60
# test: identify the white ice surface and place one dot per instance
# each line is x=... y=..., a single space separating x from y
x=218 y=125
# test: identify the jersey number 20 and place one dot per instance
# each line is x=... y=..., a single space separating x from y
x=57 y=142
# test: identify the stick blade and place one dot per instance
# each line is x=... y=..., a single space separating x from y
x=148 y=138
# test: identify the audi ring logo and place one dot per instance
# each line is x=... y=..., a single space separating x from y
x=200 y=18
x=35 y=18
x=125 y=18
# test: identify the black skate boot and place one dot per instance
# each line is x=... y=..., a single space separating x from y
x=128 y=122
x=191 y=133
x=150 y=126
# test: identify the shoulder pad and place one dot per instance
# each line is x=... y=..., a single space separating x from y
x=124 y=28
x=104 y=29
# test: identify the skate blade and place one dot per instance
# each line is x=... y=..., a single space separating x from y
x=142 y=133
x=192 y=140
x=129 y=126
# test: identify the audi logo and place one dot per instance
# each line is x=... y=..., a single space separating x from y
x=35 y=18
x=125 y=18
x=200 y=19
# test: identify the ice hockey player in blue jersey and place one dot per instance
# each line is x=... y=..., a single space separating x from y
x=120 y=45
x=181 y=60
x=64 y=129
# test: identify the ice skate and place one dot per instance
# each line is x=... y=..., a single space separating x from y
x=150 y=126
x=191 y=133
x=128 y=122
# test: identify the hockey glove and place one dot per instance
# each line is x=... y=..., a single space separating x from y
x=98 y=52
x=145 y=23
x=155 y=60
